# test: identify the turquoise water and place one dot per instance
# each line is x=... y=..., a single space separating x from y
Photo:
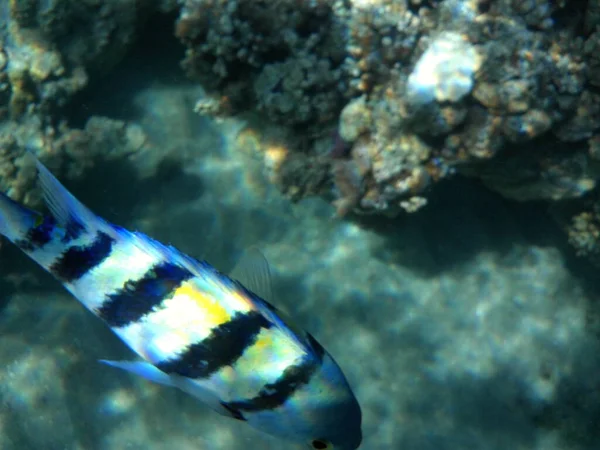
x=469 y=325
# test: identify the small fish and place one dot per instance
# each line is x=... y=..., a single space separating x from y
x=193 y=327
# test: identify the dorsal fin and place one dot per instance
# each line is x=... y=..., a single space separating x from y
x=69 y=212
x=253 y=272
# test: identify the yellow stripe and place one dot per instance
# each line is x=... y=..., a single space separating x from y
x=215 y=313
x=187 y=317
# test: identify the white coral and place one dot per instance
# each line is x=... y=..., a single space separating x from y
x=445 y=71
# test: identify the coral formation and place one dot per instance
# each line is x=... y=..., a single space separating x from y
x=444 y=73
x=71 y=150
x=50 y=51
x=284 y=57
x=417 y=92
x=584 y=233
x=376 y=101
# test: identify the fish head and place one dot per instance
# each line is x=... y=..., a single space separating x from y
x=322 y=414
x=331 y=411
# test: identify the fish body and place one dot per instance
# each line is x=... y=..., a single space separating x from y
x=192 y=327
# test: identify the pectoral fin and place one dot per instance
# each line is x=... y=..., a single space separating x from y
x=203 y=392
x=143 y=369
x=195 y=388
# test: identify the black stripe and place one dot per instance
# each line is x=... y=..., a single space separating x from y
x=225 y=345
x=276 y=394
x=38 y=236
x=138 y=297
x=80 y=259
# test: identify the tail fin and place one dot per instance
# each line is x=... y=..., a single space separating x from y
x=69 y=212
x=15 y=219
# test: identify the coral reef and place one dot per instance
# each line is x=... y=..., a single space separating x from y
x=416 y=91
x=70 y=150
x=283 y=57
x=376 y=101
x=50 y=51
x=472 y=96
x=380 y=100
x=584 y=233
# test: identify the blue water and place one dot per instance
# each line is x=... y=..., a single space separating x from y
x=469 y=325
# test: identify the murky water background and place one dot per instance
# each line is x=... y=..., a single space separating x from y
x=467 y=326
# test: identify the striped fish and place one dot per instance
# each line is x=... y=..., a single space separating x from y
x=192 y=327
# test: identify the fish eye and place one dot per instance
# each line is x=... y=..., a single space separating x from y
x=321 y=444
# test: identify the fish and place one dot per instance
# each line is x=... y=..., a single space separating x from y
x=214 y=336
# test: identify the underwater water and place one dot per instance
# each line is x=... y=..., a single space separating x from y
x=470 y=325
x=462 y=327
